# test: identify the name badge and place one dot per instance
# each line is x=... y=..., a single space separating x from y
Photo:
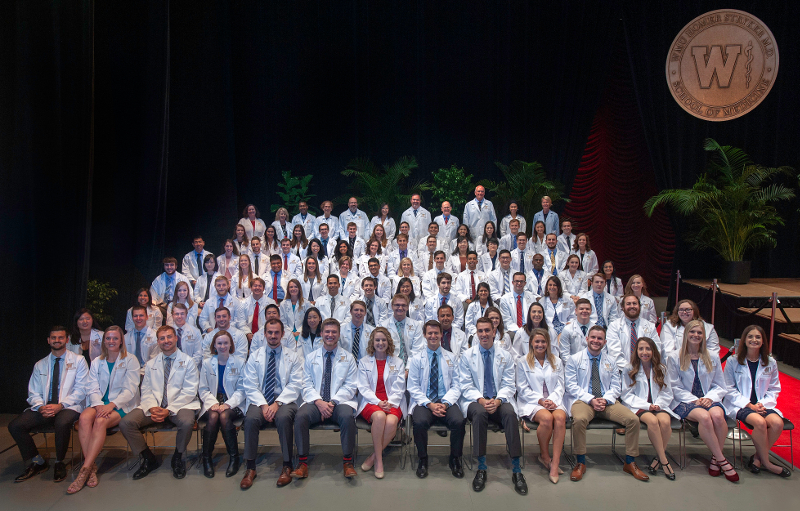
x=180 y=363
x=502 y=359
x=767 y=370
x=70 y=366
x=607 y=366
x=449 y=362
x=392 y=369
x=234 y=370
x=342 y=359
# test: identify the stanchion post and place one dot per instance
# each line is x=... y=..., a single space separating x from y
x=663 y=318
x=713 y=299
x=774 y=301
x=677 y=285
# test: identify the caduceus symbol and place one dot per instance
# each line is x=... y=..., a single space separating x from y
x=749 y=52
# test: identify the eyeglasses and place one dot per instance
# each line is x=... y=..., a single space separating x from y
x=686 y=310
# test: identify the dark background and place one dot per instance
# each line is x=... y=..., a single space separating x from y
x=196 y=108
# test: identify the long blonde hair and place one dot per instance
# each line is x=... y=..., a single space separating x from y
x=702 y=350
x=548 y=354
x=123 y=352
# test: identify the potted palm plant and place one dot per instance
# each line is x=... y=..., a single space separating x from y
x=731 y=207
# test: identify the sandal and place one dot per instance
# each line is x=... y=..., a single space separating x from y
x=654 y=466
x=732 y=477
x=713 y=468
x=92 y=481
x=79 y=482
x=671 y=474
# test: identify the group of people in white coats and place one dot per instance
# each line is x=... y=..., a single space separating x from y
x=387 y=323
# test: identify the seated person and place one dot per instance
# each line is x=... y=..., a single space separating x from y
x=487 y=382
x=573 y=280
x=429 y=279
x=613 y=283
x=623 y=334
x=426 y=256
x=574 y=336
x=162 y=289
x=537 y=277
x=192 y=264
x=535 y=319
x=566 y=239
x=604 y=306
x=521 y=257
x=333 y=304
x=478 y=307
x=329 y=395
x=310 y=335
x=509 y=240
x=153 y=313
x=515 y=304
x=220 y=298
x=384 y=285
x=433 y=390
x=276 y=279
x=174 y=404
x=56 y=391
x=250 y=315
x=222 y=319
x=454 y=339
x=377 y=307
x=444 y=297
x=259 y=260
x=190 y=341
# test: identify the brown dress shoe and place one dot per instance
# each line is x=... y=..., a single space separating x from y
x=577 y=472
x=247 y=480
x=285 y=478
x=349 y=470
x=635 y=471
x=301 y=472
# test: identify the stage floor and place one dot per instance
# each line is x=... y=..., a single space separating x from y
x=756 y=287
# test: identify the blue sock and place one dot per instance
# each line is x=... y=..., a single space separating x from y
x=482 y=463
x=515 y=465
x=580 y=458
x=629 y=459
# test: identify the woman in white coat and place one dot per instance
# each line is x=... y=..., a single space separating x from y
x=223 y=399
x=416 y=306
x=112 y=391
x=613 y=283
x=282 y=224
x=385 y=220
x=228 y=262
x=406 y=270
x=85 y=339
x=241 y=241
x=647 y=393
x=586 y=255
x=183 y=295
x=373 y=249
x=573 y=280
x=753 y=388
x=482 y=244
x=204 y=287
x=540 y=393
x=559 y=309
x=477 y=308
x=271 y=244
x=501 y=337
x=637 y=286
x=457 y=262
x=310 y=335
x=463 y=231
x=312 y=281
x=672 y=332
x=381 y=389
x=513 y=214
x=698 y=387
x=315 y=251
x=154 y=316
x=293 y=308
x=536 y=319
x=252 y=223
x=240 y=283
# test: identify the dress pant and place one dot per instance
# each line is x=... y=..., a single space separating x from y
x=582 y=414
x=308 y=415
x=132 y=424
x=254 y=422
x=453 y=419
x=505 y=417
x=21 y=427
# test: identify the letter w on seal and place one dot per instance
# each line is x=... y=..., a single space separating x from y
x=706 y=69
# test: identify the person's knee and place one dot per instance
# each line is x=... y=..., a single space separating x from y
x=757 y=422
x=559 y=419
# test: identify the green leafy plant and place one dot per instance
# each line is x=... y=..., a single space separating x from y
x=295 y=190
x=98 y=294
x=453 y=185
x=373 y=185
x=731 y=203
x=527 y=183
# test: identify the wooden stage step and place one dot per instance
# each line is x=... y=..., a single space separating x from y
x=790 y=337
x=794 y=314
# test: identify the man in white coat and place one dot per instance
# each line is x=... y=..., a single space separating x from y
x=141 y=341
x=273 y=381
x=163 y=287
x=593 y=386
x=354 y=333
x=521 y=257
x=418 y=219
x=327 y=219
x=250 y=314
x=448 y=224
x=444 y=297
x=478 y=211
x=566 y=240
x=487 y=379
x=192 y=264
x=168 y=396
x=602 y=302
x=554 y=258
x=56 y=392
x=330 y=385
x=189 y=339
x=515 y=304
x=466 y=285
x=433 y=390
x=222 y=318
x=333 y=305
x=573 y=337
x=290 y=263
x=453 y=340
x=499 y=280
x=222 y=298
x=624 y=333
x=355 y=215
x=309 y=222
x=258 y=259
x=406 y=332
x=377 y=308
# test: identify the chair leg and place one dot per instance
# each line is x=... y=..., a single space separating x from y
x=522 y=441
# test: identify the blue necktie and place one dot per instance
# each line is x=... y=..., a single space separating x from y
x=326 y=377
x=488 y=376
x=433 y=386
x=598 y=305
x=269 y=379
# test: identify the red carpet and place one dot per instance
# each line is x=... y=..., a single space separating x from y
x=789 y=405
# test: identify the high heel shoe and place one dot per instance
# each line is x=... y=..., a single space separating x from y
x=752 y=466
x=732 y=477
x=669 y=475
x=79 y=482
x=713 y=468
x=547 y=465
x=92 y=481
x=653 y=468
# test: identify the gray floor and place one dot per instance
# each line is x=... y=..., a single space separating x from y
x=326 y=488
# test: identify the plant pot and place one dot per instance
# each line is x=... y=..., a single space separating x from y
x=736 y=272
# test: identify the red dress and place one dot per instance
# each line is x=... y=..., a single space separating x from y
x=380 y=392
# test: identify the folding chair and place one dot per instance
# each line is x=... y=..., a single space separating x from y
x=152 y=430
x=492 y=428
x=787 y=426
x=363 y=425
x=532 y=427
x=466 y=460
x=684 y=454
x=50 y=430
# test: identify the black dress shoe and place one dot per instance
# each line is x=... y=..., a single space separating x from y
x=208 y=467
x=146 y=465
x=59 y=472
x=456 y=468
x=479 y=483
x=520 y=486
x=422 y=469
x=179 y=468
x=234 y=462
x=32 y=470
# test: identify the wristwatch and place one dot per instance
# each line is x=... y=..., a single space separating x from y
x=279 y=403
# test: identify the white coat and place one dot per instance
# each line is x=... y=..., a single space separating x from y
x=244 y=314
x=453 y=265
x=346 y=338
x=191 y=343
x=394 y=380
x=496 y=281
x=122 y=383
x=740 y=385
x=615 y=288
x=618 y=339
x=293 y=263
x=149 y=345
x=359 y=218
x=536 y=284
x=384 y=289
x=292 y=318
x=578 y=373
x=503 y=227
x=610 y=307
x=309 y=224
x=341 y=307
x=389 y=226
x=462 y=287
x=416 y=310
x=508 y=309
x=485 y=262
x=527 y=256
x=333 y=226
x=231 y=381
x=712 y=383
x=474 y=311
x=350 y=286
x=159 y=286
x=419 y=377
x=182 y=385
x=551 y=222
x=260 y=229
x=416 y=284
x=240 y=290
x=635 y=396
x=572 y=339
x=458 y=342
x=289 y=370
x=561 y=261
x=189 y=267
x=207 y=319
x=380 y=310
x=470 y=374
x=263 y=263
x=589 y=264
x=154 y=319
x=95 y=344
x=305 y=346
x=231 y=265
x=530 y=385
x=648 y=309
x=413 y=338
x=476 y=217
x=433 y=303
x=279 y=231
x=200 y=287
x=573 y=284
x=672 y=338
x=240 y=345
x=418 y=224
x=191 y=314
x=521 y=344
x=566 y=244
x=564 y=308
x=242 y=247
x=74 y=376
x=363 y=264
x=344 y=377
x=429 y=285
x=448 y=231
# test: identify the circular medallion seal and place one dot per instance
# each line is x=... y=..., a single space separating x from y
x=722 y=64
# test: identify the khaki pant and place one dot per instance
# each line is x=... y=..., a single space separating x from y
x=582 y=414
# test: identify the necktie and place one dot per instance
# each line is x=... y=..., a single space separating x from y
x=598 y=305
x=275 y=286
x=269 y=379
x=402 y=349
x=597 y=390
x=370 y=315
x=480 y=205
x=55 y=382
x=553 y=261
x=311 y=290
x=519 y=311
x=333 y=304
x=488 y=376
x=584 y=328
x=325 y=248
x=326 y=377
x=403 y=254
x=634 y=337
x=221 y=302
x=167 y=369
x=569 y=243
x=545 y=392
x=208 y=287
x=522 y=262
x=199 y=264
x=444 y=301
x=472 y=284
x=352 y=243
x=168 y=294
x=557 y=324
x=286 y=262
x=415 y=212
x=430 y=261
x=254 y=324
x=514 y=237
x=608 y=284
x=433 y=386
x=356 y=343
x=138 y=348
x=494 y=261
x=446 y=219
x=180 y=335
x=446 y=340
x=344 y=282
x=255 y=260
x=506 y=284
x=539 y=280
x=283 y=228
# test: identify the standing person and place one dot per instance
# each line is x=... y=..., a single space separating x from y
x=521 y=257
x=554 y=259
x=613 y=283
x=355 y=244
x=350 y=283
x=85 y=339
x=753 y=388
x=313 y=287
x=458 y=259
x=586 y=255
x=112 y=389
x=646 y=392
x=574 y=336
x=353 y=334
x=56 y=391
x=141 y=340
x=384 y=218
x=489 y=232
x=259 y=260
x=466 y=285
x=478 y=211
x=448 y=224
x=499 y=280
x=515 y=304
x=169 y=395
x=418 y=219
x=327 y=241
x=593 y=386
x=566 y=239
x=276 y=279
x=382 y=400
x=550 y=218
x=242 y=278
x=454 y=340
x=272 y=383
x=220 y=298
x=183 y=295
x=433 y=389
x=514 y=213
x=293 y=308
x=229 y=260
x=162 y=290
x=478 y=307
x=377 y=307
x=306 y=221
x=698 y=387
x=509 y=240
x=283 y=226
x=254 y=226
x=487 y=382
x=272 y=244
x=623 y=334
x=311 y=334
x=444 y=297
x=672 y=332
x=329 y=394
x=327 y=219
x=240 y=240
x=299 y=242
x=539 y=237
x=192 y=265
x=540 y=395
x=636 y=286
x=153 y=315
x=353 y=215
x=333 y=304
x=292 y=264
x=204 y=288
